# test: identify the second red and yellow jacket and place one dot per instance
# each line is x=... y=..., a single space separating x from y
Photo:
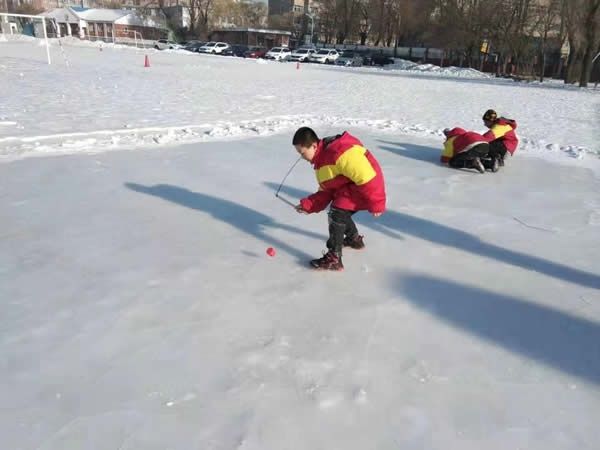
x=458 y=141
x=349 y=177
x=504 y=129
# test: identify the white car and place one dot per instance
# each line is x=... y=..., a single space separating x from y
x=163 y=44
x=215 y=48
x=324 y=56
x=301 y=54
x=279 y=54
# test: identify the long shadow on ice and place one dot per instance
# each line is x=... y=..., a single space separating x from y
x=412 y=151
x=241 y=217
x=451 y=237
x=552 y=337
x=392 y=222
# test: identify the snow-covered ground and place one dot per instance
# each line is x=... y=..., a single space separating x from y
x=140 y=311
x=107 y=100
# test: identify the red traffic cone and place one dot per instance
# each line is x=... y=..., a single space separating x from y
x=298 y=65
x=146 y=61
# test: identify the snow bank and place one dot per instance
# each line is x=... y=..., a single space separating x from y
x=401 y=64
x=199 y=98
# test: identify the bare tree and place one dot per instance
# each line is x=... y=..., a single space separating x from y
x=364 y=25
x=347 y=12
x=200 y=12
x=592 y=39
x=328 y=20
x=462 y=25
x=29 y=8
x=239 y=13
x=546 y=23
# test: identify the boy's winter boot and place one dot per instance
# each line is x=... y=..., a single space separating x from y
x=477 y=164
x=356 y=242
x=329 y=261
x=495 y=165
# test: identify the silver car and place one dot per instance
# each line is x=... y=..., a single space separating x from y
x=349 y=58
x=324 y=56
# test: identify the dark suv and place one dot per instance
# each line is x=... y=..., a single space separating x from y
x=236 y=50
x=375 y=58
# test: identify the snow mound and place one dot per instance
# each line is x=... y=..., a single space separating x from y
x=14 y=148
x=402 y=64
x=17 y=38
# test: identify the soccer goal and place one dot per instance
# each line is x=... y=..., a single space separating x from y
x=125 y=37
x=24 y=24
x=129 y=37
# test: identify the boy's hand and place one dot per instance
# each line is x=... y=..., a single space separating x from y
x=300 y=209
x=377 y=214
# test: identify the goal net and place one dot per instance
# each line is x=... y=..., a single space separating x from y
x=24 y=26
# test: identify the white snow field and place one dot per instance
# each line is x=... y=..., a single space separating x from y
x=140 y=311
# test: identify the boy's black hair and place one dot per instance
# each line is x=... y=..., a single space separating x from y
x=305 y=137
x=490 y=115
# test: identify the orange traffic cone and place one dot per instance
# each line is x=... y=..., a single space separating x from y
x=146 y=61
x=298 y=65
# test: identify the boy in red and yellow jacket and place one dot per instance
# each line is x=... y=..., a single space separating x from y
x=349 y=178
x=463 y=149
x=501 y=136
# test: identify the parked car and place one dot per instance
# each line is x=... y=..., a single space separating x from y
x=235 y=50
x=324 y=56
x=279 y=54
x=378 y=58
x=163 y=44
x=349 y=58
x=301 y=54
x=256 y=52
x=216 y=48
x=193 y=46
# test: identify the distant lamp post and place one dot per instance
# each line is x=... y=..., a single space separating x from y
x=364 y=30
x=397 y=37
x=312 y=26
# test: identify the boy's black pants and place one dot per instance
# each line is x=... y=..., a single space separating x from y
x=340 y=225
x=464 y=159
x=497 y=149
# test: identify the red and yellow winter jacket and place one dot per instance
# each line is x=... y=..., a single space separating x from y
x=504 y=130
x=458 y=141
x=349 y=177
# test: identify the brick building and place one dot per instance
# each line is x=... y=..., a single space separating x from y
x=109 y=25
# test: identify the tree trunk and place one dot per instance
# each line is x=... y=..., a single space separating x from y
x=592 y=43
x=543 y=64
x=586 y=67
x=559 y=67
x=573 y=65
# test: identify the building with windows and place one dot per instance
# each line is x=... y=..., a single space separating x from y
x=109 y=25
x=282 y=7
x=252 y=37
